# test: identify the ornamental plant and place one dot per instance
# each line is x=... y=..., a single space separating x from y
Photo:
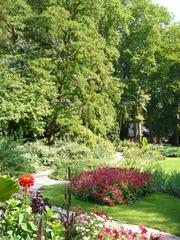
x=8 y=186
x=95 y=226
x=26 y=181
x=90 y=226
x=19 y=223
x=111 y=185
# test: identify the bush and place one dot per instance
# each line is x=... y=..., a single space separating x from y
x=41 y=153
x=165 y=182
x=139 y=157
x=168 y=151
x=137 y=153
x=15 y=158
x=80 y=157
x=111 y=185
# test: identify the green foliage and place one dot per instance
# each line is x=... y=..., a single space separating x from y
x=68 y=81
x=137 y=58
x=8 y=186
x=87 y=68
x=163 y=109
x=15 y=158
x=19 y=223
x=144 y=144
x=169 y=151
x=145 y=159
x=166 y=182
x=80 y=157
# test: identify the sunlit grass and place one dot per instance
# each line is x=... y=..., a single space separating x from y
x=172 y=164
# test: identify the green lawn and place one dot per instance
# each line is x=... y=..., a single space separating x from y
x=172 y=164
x=157 y=210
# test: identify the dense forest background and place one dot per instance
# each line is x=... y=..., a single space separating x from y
x=88 y=68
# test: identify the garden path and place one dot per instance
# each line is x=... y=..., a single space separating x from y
x=41 y=179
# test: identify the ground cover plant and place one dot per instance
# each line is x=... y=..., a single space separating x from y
x=111 y=185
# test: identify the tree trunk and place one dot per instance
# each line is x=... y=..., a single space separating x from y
x=139 y=134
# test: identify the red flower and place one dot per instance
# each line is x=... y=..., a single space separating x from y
x=26 y=181
x=111 y=185
x=143 y=238
x=143 y=229
x=116 y=233
x=123 y=231
x=100 y=236
x=107 y=230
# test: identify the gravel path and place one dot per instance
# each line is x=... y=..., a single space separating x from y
x=42 y=179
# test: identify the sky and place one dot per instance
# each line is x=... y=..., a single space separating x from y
x=172 y=5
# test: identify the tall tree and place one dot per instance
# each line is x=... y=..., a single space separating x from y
x=137 y=58
x=164 y=107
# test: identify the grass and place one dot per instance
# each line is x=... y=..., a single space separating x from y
x=172 y=164
x=157 y=210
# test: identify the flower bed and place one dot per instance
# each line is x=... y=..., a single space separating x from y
x=111 y=185
x=95 y=226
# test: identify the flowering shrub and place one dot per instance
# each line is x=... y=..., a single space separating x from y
x=94 y=226
x=111 y=185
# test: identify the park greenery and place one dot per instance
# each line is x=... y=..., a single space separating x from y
x=88 y=68
x=75 y=76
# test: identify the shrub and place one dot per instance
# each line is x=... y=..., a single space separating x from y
x=166 y=182
x=111 y=185
x=148 y=155
x=168 y=151
x=144 y=158
x=80 y=157
x=14 y=158
x=17 y=158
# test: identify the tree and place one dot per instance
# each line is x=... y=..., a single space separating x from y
x=137 y=58
x=163 y=109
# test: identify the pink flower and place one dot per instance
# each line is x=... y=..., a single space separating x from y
x=99 y=235
x=107 y=230
x=123 y=231
x=116 y=233
x=143 y=229
x=143 y=237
